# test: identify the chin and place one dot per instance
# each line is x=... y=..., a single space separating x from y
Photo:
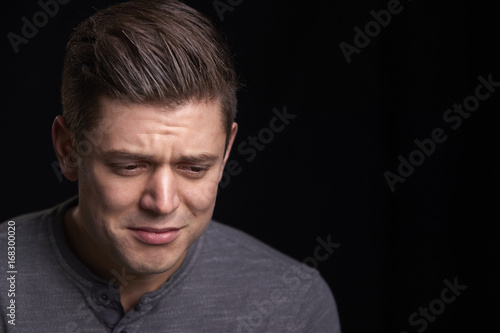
x=153 y=264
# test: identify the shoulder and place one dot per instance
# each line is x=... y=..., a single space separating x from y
x=23 y=226
x=269 y=281
x=27 y=237
x=35 y=221
x=240 y=243
x=248 y=255
x=30 y=233
x=268 y=271
x=224 y=243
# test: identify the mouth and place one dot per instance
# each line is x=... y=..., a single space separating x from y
x=155 y=236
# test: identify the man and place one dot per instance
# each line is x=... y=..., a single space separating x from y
x=149 y=104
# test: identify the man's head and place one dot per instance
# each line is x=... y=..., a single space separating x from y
x=149 y=103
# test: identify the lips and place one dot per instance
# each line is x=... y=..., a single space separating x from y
x=155 y=236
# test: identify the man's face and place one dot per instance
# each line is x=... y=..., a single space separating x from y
x=147 y=191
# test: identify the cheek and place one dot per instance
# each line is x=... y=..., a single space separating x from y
x=200 y=197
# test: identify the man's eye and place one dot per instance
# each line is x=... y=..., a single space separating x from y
x=128 y=169
x=196 y=169
x=193 y=171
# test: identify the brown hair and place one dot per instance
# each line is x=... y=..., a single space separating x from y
x=145 y=51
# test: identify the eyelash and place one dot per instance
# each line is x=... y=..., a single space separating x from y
x=194 y=171
x=127 y=169
x=132 y=169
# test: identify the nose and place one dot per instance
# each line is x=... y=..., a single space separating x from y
x=160 y=195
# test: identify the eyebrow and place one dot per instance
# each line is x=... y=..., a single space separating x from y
x=130 y=156
x=124 y=155
x=199 y=158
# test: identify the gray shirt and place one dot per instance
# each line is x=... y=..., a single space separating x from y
x=228 y=282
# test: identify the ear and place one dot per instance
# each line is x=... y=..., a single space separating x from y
x=63 y=146
x=232 y=135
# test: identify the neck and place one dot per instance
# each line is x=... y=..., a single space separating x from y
x=132 y=286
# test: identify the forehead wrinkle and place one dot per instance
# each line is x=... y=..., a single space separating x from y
x=146 y=128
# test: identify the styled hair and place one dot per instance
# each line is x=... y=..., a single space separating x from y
x=158 y=52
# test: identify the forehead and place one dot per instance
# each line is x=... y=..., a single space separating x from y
x=145 y=126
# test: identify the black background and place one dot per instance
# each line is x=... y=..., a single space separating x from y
x=323 y=175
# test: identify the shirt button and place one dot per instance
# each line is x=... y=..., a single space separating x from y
x=103 y=296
